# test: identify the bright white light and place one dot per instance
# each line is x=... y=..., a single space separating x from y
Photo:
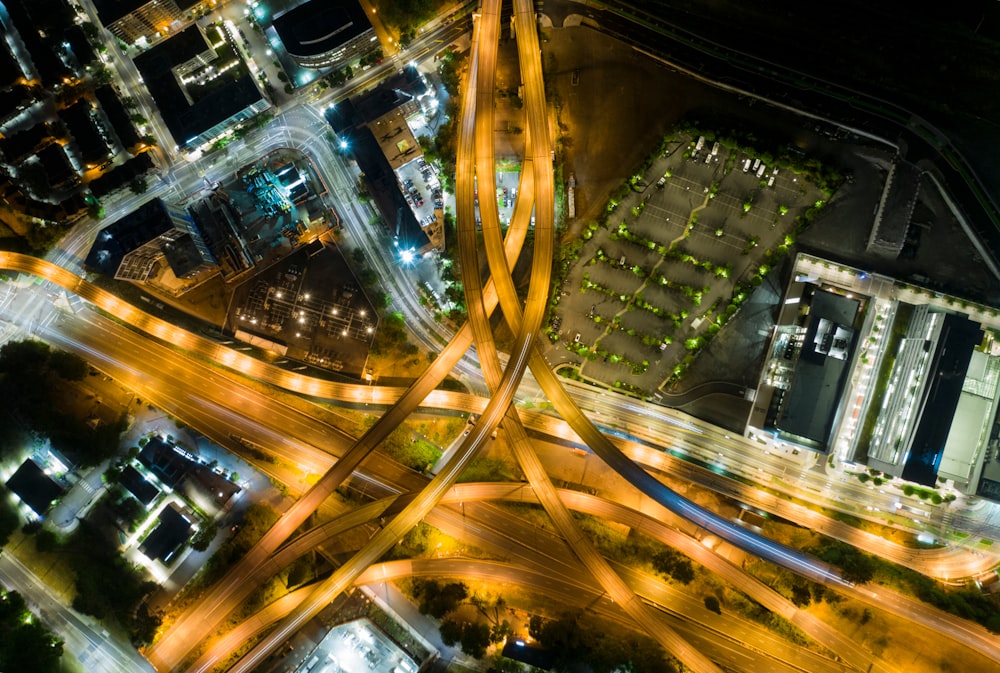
x=343 y=144
x=406 y=256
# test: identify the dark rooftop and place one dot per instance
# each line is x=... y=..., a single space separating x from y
x=118 y=239
x=317 y=27
x=34 y=487
x=14 y=99
x=171 y=533
x=381 y=180
x=534 y=656
x=818 y=380
x=80 y=123
x=79 y=44
x=160 y=458
x=10 y=71
x=119 y=117
x=210 y=106
x=109 y=11
x=387 y=96
x=18 y=146
x=959 y=337
x=183 y=255
x=138 y=486
x=121 y=175
x=171 y=467
x=57 y=167
x=42 y=14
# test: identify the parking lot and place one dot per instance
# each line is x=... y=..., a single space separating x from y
x=422 y=189
x=357 y=647
x=659 y=278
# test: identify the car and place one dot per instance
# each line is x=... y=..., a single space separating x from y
x=576 y=339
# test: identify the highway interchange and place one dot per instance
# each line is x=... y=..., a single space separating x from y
x=216 y=403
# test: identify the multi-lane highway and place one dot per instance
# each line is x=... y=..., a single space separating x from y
x=208 y=403
x=132 y=349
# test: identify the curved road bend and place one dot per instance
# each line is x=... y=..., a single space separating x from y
x=477 y=138
x=413 y=513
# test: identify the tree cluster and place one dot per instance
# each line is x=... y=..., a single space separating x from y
x=25 y=643
x=107 y=586
x=578 y=640
x=674 y=565
x=438 y=599
x=30 y=374
x=258 y=518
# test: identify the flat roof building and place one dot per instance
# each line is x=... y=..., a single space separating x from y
x=121 y=120
x=805 y=409
x=924 y=388
x=138 y=485
x=170 y=533
x=79 y=120
x=181 y=471
x=384 y=111
x=200 y=90
x=132 y=20
x=892 y=216
x=58 y=169
x=325 y=33
x=973 y=424
x=921 y=396
x=35 y=488
x=129 y=248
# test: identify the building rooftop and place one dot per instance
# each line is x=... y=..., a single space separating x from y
x=37 y=489
x=172 y=465
x=79 y=44
x=824 y=359
x=191 y=110
x=57 y=167
x=28 y=17
x=951 y=362
x=10 y=70
x=125 y=235
x=172 y=531
x=121 y=175
x=17 y=147
x=319 y=26
x=183 y=255
x=78 y=119
x=137 y=485
x=13 y=100
x=109 y=11
x=384 y=187
x=119 y=117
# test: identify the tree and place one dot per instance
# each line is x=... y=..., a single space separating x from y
x=68 y=366
x=26 y=644
x=801 y=595
x=437 y=600
x=451 y=632
x=475 y=639
x=204 y=537
x=535 y=626
x=139 y=185
x=712 y=604
x=9 y=520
